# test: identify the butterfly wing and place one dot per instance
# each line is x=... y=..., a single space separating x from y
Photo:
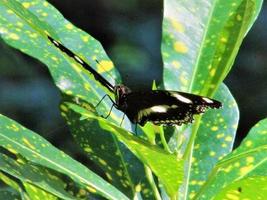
x=166 y=107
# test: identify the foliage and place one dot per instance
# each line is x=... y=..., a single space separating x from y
x=200 y=42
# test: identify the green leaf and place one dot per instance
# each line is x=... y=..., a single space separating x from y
x=15 y=138
x=215 y=139
x=25 y=172
x=110 y=155
x=37 y=193
x=246 y=164
x=167 y=167
x=247 y=188
x=201 y=40
x=8 y=194
x=25 y=25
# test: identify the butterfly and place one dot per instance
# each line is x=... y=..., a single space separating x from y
x=161 y=107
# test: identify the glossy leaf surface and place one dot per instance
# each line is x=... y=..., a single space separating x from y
x=16 y=138
x=241 y=169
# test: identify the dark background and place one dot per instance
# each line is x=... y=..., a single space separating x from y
x=28 y=95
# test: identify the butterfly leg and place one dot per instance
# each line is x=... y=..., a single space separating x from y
x=122 y=119
x=101 y=100
x=135 y=129
x=108 y=112
x=113 y=104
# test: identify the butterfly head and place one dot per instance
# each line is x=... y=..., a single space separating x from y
x=121 y=92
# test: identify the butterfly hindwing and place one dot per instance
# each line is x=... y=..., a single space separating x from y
x=166 y=107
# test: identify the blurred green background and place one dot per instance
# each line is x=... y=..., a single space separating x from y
x=130 y=32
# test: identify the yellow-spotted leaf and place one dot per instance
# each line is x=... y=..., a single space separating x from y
x=37 y=193
x=21 y=169
x=26 y=25
x=215 y=139
x=17 y=139
x=201 y=39
x=105 y=151
x=247 y=188
x=9 y=186
x=167 y=167
x=200 y=42
x=242 y=167
x=8 y=194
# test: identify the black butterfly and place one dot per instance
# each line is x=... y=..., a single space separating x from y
x=157 y=106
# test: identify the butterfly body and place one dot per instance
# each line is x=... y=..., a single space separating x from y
x=161 y=106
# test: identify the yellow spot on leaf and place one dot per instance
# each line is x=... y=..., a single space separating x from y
x=26 y=4
x=10 y=11
x=54 y=58
x=138 y=188
x=212 y=153
x=238 y=17
x=250 y=159
x=87 y=86
x=212 y=72
x=201 y=182
x=13 y=36
x=192 y=194
x=19 y=24
x=237 y=164
x=221 y=120
x=228 y=139
x=85 y=38
x=91 y=189
x=232 y=197
x=214 y=128
x=228 y=168
x=76 y=67
x=178 y=26
x=197 y=146
x=33 y=35
x=223 y=39
x=63 y=108
x=180 y=47
x=45 y=4
x=14 y=127
x=193 y=182
x=69 y=26
x=69 y=92
x=88 y=150
x=104 y=66
x=248 y=143
x=224 y=145
x=176 y=64
x=12 y=150
x=108 y=176
x=44 y=14
x=245 y=170
x=102 y=162
x=119 y=172
x=27 y=143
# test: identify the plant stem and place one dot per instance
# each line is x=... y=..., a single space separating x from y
x=163 y=140
x=151 y=181
x=188 y=156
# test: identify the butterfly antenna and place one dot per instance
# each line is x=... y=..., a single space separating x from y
x=102 y=67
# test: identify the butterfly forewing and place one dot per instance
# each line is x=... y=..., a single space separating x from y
x=165 y=107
